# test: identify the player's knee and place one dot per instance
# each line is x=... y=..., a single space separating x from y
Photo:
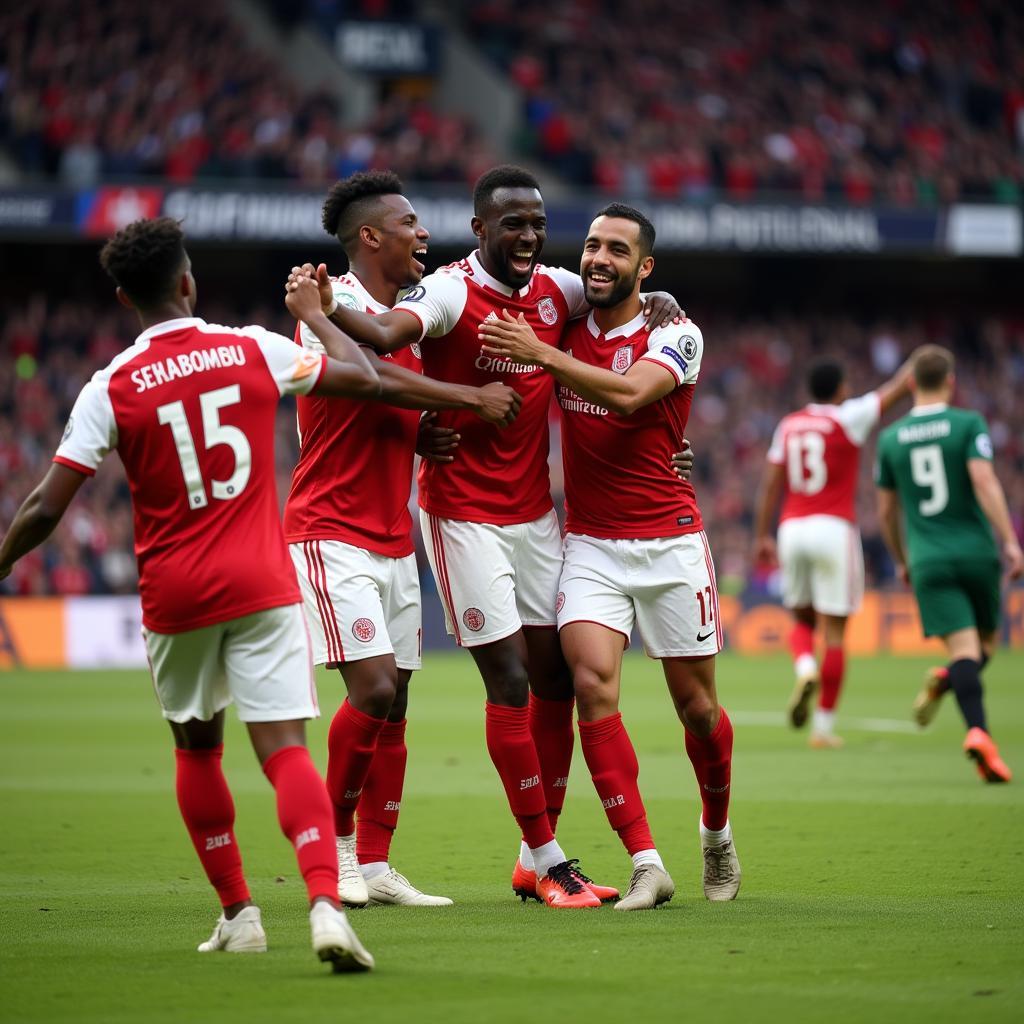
x=375 y=697
x=699 y=713
x=509 y=686
x=592 y=687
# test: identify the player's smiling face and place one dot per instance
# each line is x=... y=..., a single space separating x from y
x=611 y=265
x=512 y=231
x=403 y=241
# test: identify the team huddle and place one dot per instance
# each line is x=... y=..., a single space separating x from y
x=461 y=364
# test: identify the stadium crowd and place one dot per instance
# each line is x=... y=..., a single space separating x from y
x=916 y=103
x=125 y=90
x=752 y=375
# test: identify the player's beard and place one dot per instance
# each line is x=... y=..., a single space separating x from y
x=620 y=290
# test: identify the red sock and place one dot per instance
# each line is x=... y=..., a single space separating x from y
x=209 y=813
x=511 y=748
x=304 y=811
x=613 y=767
x=551 y=728
x=833 y=665
x=351 y=743
x=801 y=640
x=382 y=795
x=712 y=764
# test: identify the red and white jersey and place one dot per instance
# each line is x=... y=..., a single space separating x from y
x=499 y=475
x=619 y=482
x=354 y=474
x=819 y=446
x=190 y=408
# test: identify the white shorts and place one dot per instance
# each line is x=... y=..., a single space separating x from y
x=493 y=580
x=822 y=564
x=666 y=586
x=262 y=662
x=359 y=604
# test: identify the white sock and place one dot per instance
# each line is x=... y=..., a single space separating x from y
x=823 y=722
x=806 y=665
x=648 y=857
x=525 y=857
x=374 y=869
x=546 y=857
x=712 y=837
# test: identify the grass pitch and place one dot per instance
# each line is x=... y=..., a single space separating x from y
x=882 y=882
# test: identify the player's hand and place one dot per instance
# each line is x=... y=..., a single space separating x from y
x=511 y=337
x=303 y=299
x=1011 y=552
x=661 y=309
x=434 y=443
x=498 y=403
x=682 y=461
x=765 y=552
x=319 y=275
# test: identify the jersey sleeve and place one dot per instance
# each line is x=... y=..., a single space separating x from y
x=345 y=296
x=437 y=302
x=296 y=371
x=679 y=348
x=979 y=442
x=91 y=429
x=860 y=415
x=571 y=287
x=776 y=450
x=884 y=476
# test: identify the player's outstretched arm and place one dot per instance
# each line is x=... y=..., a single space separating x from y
x=387 y=332
x=39 y=514
x=989 y=492
x=494 y=402
x=764 y=513
x=889 y=522
x=624 y=393
x=349 y=373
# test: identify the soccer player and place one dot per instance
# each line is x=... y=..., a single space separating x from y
x=493 y=537
x=935 y=473
x=813 y=463
x=190 y=408
x=350 y=535
x=635 y=548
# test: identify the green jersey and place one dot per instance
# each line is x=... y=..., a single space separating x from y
x=923 y=457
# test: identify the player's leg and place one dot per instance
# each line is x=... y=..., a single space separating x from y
x=796 y=596
x=473 y=565
x=269 y=666
x=833 y=669
x=192 y=690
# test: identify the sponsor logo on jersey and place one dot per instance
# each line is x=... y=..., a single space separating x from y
x=623 y=359
x=474 y=619
x=416 y=350
x=499 y=364
x=364 y=630
x=348 y=300
x=689 y=346
x=548 y=310
x=67 y=430
x=560 y=601
x=675 y=357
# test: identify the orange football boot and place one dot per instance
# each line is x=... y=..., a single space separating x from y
x=981 y=748
x=561 y=889
x=524 y=883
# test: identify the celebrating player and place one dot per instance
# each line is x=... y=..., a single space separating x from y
x=813 y=464
x=190 y=408
x=493 y=537
x=348 y=526
x=935 y=466
x=635 y=549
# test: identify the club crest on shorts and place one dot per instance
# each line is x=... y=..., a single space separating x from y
x=623 y=359
x=559 y=601
x=474 y=619
x=548 y=310
x=364 y=630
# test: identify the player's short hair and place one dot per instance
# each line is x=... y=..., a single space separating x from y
x=824 y=379
x=350 y=203
x=647 y=233
x=503 y=176
x=145 y=260
x=932 y=367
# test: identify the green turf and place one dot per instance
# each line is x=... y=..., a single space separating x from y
x=881 y=883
